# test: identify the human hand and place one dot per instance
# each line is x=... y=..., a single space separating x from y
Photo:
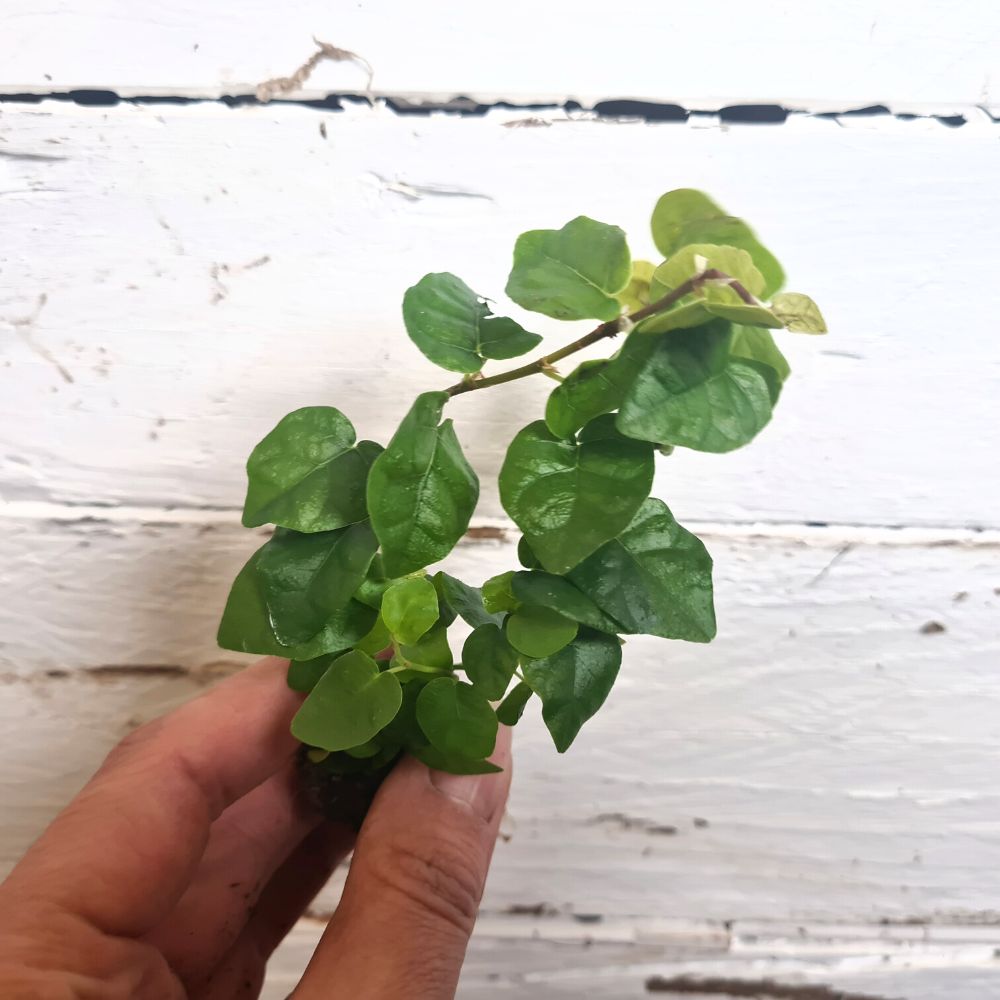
x=187 y=858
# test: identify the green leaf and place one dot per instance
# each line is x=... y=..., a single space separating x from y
x=489 y=661
x=421 y=489
x=376 y=640
x=456 y=718
x=430 y=650
x=690 y=393
x=246 y=623
x=351 y=702
x=306 y=578
x=556 y=592
x=453 y=327
x=574 y=683
x=654 y=578
x=465 y=600
x=798 y=313
x=525 y=556
x=635 y=294
x=538 y=632
x=596 y=387
x=571 y=273
x=686 y=216
x=509 y=712
x=303 y=675
x=453 y=763
x=410 y=608
x=712 y=298
x=568 y=497
x=308 y=474
x=753 y=343
x=497 y=595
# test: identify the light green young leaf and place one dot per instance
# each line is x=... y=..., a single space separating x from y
x=246 y=623
x=569 y=497
x=430 y=650
x=306 y=578
x=654 y=578
x=410 y=608
x=798 y=313
x=556 y=592
x=571 y=273
x=351 y=702
x=308 y=474
x=509 y=712
x=596 y=387
x=497 y=595
x=687 y=216
x=635 y=294
x=456 y=718
x=574 y=682
x=453 y=327
x=536 y=631
x=421 y=489
x=489 y=661
x=690 y=393
x=466 y=601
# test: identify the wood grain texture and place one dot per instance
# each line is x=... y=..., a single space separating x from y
x=185 y=276
x=807 y=54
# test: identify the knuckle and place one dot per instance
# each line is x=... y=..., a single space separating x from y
x=437 y=877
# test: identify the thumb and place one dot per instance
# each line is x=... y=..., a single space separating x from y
x=411 y=897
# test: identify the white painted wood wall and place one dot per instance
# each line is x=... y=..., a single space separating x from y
x=813 y=798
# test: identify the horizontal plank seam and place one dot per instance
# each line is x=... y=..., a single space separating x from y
x=500 y=530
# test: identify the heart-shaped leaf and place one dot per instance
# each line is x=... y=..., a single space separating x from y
x=410 y=608
x=308 y=474
x=456 y=718
x=489 y=661
x=574 y=683
x=454 y=328
x=556 y=592
x=569 y=497
x=537 y=631
x=654 y=578
x=350 y=704
x=687 y=216
x=421 y=489
x=571 y=273
x=798 y=313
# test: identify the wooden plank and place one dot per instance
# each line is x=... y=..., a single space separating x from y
x=825 y=759
x=905 y=55
x=177 y=278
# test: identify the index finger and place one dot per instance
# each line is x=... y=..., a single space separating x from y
x=122 y=852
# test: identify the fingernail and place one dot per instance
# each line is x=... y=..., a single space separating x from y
x=484 y=794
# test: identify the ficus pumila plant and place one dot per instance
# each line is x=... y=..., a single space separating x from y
x=344 y=578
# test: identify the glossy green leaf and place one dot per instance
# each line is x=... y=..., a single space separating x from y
x=497 y=595
x=715 y=298
x=489 y=661
x=568 y=497
x=538 y=632
x=410 y=608
x=303 y=675
x=511 y=709
x=421 y=489
x=574 y=683
x=456 y=718
x=466 y=601
x=453 y=327
x=692 y=394
x=453 y=763
x=752 y=343
x=525 y=556
x=430 y=650
x=798 y=313
x=596 y=387
x=246 y=622
x=654 y=578
x=306 y=578
x=571 y=273
x=556 y=592
x=635 y=294
x=687 y=216
x=308 y=474
x=351 y=702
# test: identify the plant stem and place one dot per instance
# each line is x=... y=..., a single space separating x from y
x=609 y=329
